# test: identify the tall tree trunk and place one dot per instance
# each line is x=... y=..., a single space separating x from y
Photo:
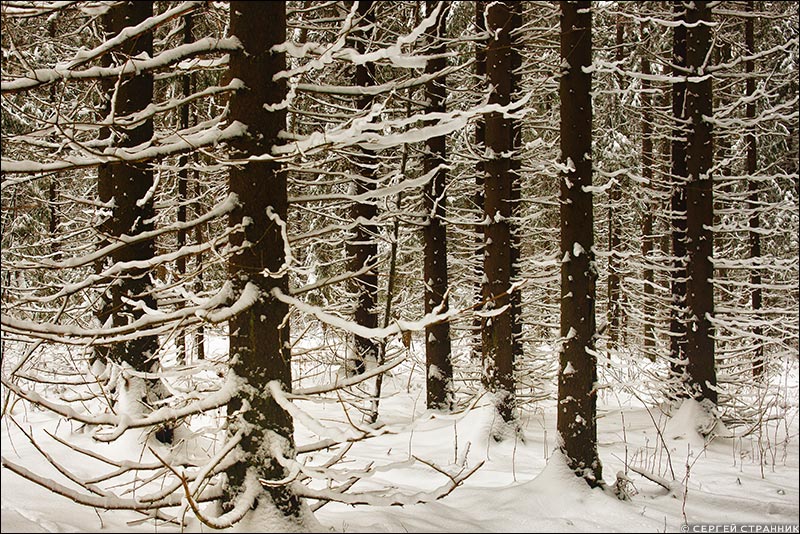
x=479 y=323
x=677 y=325
x=128 y=186
x=200 y=335
x=183 y=180
x=104 y=193
x=699 y=209
x=259 y=335
x=752 y=198
x=52 y=197
x=722 y=242
x=372 y=417
x=577 y=377
x=362 y=248
x=647 y=213
x=439 y=367
x=614 y=196
x=498 y=331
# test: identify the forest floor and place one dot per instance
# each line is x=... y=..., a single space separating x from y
x=522 y=485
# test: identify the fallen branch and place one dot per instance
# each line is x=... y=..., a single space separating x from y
x=672 y=486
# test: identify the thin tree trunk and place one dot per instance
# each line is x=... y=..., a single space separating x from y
x=183 y=180
x=372 y=417
x=647 y=213
x=722 y=242
x=362 y=249
x=614 y=196
x=677 y=325
x=699 y=210
x=199 y=286
x=387 y=313
x=439 y=367
x=752 y=198
x=52 y=196
x=259 y=335
x=478 y=322
x=577 y=377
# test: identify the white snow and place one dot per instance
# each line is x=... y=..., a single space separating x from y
x=523 y=484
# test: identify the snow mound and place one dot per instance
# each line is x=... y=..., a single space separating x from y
x=551 y=502
x=692 y=422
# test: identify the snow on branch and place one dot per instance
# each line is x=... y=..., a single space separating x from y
x=40 y=77
x=347 y=382
x=222 y=208
x=368 y=134
x=131 y=32
x=150 y=323
x=171 y=146
x=360 y=330
x=123 y=422
x=101 y=502
x=389 y=497
x=337 y=50
x=373 y=90
x=382 y=192
x=394 y=52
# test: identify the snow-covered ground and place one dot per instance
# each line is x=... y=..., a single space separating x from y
x=521 y=486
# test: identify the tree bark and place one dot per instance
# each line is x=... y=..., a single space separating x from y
x=200 y=334
x=647 y=214
x=677 y=325
x=699 y=209
x=183 y=180
x=52 y=197
x=362 y=248
x=614 y=196
x=577 y=377
x=128 y=186
x=439 y=367
x=498 y=330
x=259 y=335
x=752 y=198
x=478 y=322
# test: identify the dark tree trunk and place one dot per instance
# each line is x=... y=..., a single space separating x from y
x=183 y=180
x=52 y=204
x=104 y=193
x=752 y=198
x=439 y=367
x=614 y=196
x=52 y=197
x=200 y=335
x=647 y=213
x=479 y=323
x=258 y=336
x=577 y=377
x=699 y=210
x=362 y=248
x=498 y=331
x=129 y=186
x=722 y=242
x=677 y=325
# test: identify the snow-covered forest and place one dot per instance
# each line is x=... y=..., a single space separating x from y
x=407 y=266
